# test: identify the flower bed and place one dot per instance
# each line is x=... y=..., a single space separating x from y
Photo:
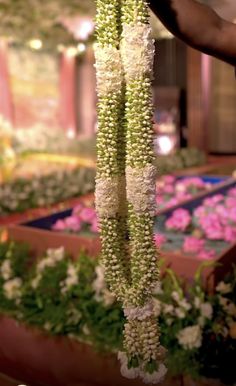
x=40 y=191
x=71 y=301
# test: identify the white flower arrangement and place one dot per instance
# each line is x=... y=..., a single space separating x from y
x=12 y=289
x=71 y=280
x=190 y=337
x=125 y=183
x=6 y=269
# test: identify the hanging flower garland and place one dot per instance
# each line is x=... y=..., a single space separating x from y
x=125 y=183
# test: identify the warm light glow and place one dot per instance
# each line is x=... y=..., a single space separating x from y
x=165 y=144
x=85 y=29
x=70 y=134
x=60 y=48
x=81 y=47
x=71 y=52
x=35 y=44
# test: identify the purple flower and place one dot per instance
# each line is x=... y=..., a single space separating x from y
x=193 y=244
x=180 y=220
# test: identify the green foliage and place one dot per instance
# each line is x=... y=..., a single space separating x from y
x=79 y=314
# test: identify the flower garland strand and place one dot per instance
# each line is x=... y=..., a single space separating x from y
x=125 y=56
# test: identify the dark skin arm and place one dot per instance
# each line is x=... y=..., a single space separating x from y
x=198 y=26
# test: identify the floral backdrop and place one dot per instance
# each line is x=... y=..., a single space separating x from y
x=34 y=83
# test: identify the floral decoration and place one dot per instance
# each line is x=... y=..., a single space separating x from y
x=126 y=175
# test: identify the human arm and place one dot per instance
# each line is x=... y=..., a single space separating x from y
x=198 y=26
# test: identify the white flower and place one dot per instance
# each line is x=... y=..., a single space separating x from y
x=156 y=307
x=190 y=337
x=35 y=282
x=197 y=302
x=131 y=373
x=71 y=280
x=206 y=310
x=201 y=321
x=157 y=290
x=168 y=309
x=156 y=377
x=12 y=288
x=108 y=297
x=180 y=313
x=86 y=330
x=6 y=269
x=185 y=305
x=224 y=288
x=176 y=296
x=53 y=257
x=139 y=313
x=99 y=283
x=169 y=321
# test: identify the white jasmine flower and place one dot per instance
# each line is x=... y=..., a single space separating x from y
x=156 y=377
x=12 y=288
x=190 y=337
x=156 y=307
x=206 y=310
x=131 y=373
x=6 y=269
x=224 y=288
x=157 y=290
x=139 y=313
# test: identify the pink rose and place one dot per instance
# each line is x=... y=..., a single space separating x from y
x=180 y=220
x=168 y=179
x=87 y=215
x=59 y=226
x=232 y=192
x=94 y=226
x=159 y=240
x=207 y=254
x=230 y=234
x=193 y=244
x=73 y=223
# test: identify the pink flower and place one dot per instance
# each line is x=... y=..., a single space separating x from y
x=200 y=212
x=77 y=209
x=212 y=201
x=230 y=202
x=212 y=227
x=232 y=192
x=193 y=244
x=159 y=240
x=207 y=254
x=230 y=234
x=168 y=189
x=87 y=215
x=232 y=214
x=180 y=220
x=94 y=227
x=73 y=223
x=168 y=179
x=59 y=226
